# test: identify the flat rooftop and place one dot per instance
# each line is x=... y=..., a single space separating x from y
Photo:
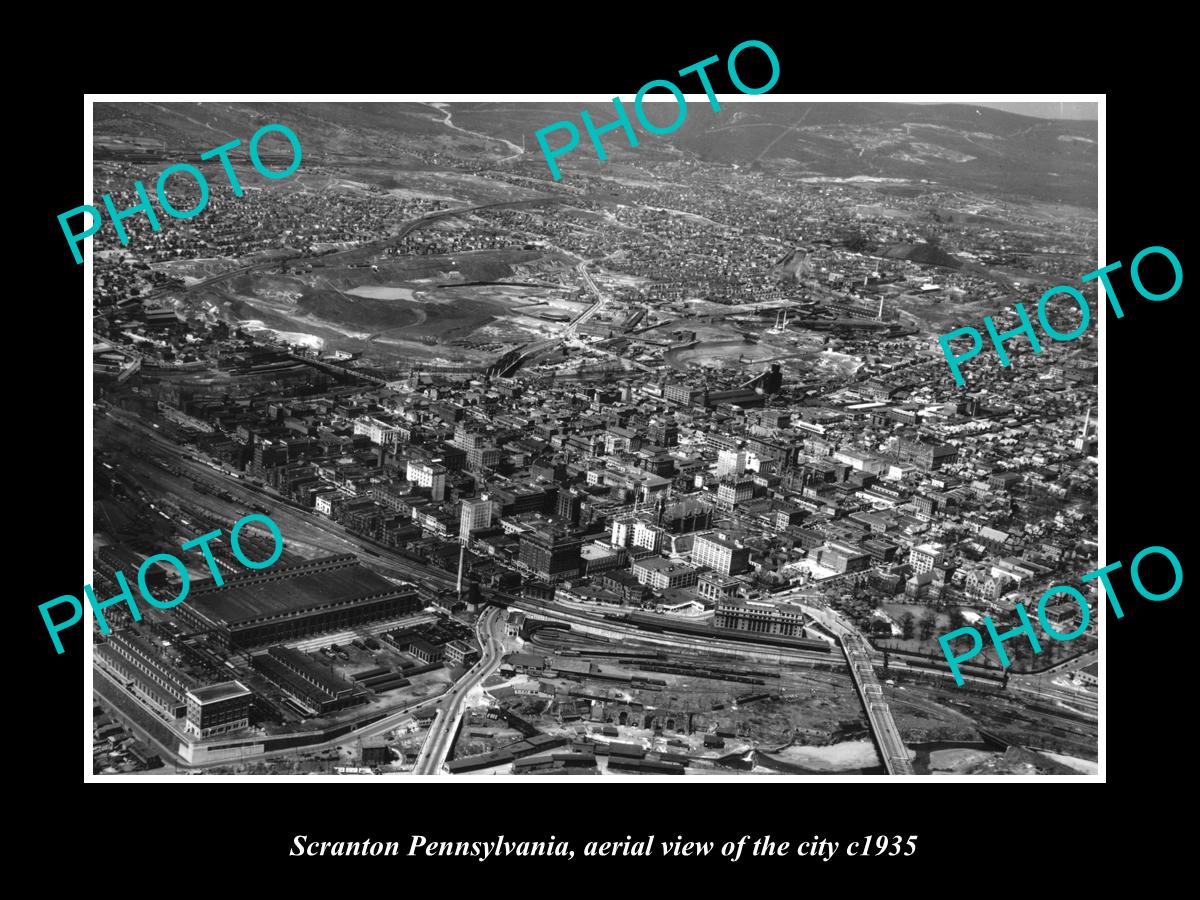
x=661 y=564
x=712 y=538
x=592 y=551
x=214 y=692
x=763 y=605
x=279 y=591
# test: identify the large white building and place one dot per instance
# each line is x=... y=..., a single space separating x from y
x=862 y=461
x=379 y=431
x=647 y=535
x=759 y=616
x=924 y=557
x=662 y=574
x=622 y=531
x=731 y=462
x=719 y=555
x=475 y=514
x=428 y=475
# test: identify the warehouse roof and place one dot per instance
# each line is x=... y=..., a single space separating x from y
x=214 y=692
x=288 y=589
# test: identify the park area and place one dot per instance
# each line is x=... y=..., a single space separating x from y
x=921 y=625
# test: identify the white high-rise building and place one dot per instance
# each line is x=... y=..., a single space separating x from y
x=647 y=535
x=622 y=531
x=475 y=514
x=730 y=462
x=720 y=555
x=428 y=475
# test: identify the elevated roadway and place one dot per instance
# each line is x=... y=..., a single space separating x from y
x=891 y=747
x=514 y=359
x=445 y=727
x=883 y=727
x=587 y=314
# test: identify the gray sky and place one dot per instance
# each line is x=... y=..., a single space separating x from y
x=1049 y=109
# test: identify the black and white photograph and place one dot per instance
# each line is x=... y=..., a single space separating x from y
x=474 y=439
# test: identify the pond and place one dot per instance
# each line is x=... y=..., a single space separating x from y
x=381 y=292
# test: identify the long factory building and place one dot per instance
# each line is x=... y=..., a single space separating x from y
x=140 y=666
x=288 y=603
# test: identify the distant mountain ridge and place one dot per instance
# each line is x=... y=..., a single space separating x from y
x=958 y=145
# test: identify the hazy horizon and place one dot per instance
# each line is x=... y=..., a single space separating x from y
x=1049 y=109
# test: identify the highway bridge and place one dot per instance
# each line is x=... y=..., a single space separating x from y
x=883 y=728
x=591 y=310
x=517 y=357
x=514 y=359
x=444 y=731
x=339 y=370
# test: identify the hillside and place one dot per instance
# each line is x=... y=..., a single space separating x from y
x=974 y=148
x=926 y=254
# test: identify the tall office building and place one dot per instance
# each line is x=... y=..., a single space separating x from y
x=730 y=462
x=925 y=557
x=732 y=491
x=429 y=475
x=476 y=514
x=465 y=438
x=647 y=535
x=551 y=555
x=622 y=531
x=719 y=555
x=570 y=506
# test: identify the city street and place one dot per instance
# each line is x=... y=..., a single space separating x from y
x=490 y=631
